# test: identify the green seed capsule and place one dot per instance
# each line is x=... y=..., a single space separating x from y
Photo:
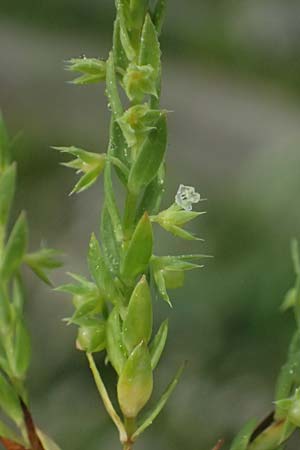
x=91 y=338
x=137 y=325
x=136 y=382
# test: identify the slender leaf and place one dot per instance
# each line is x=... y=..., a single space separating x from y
x=15 y=248
x=158 y=344
x=150 y=157
x=115 y=348
x=151 y=416
x=139 y=251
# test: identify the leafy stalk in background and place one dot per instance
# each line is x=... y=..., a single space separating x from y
x=113 y=309
x=18 y=431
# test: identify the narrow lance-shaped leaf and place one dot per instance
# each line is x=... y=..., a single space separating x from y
x=159 y=14
x=124 y=36
x=110 y=245
x=119 y=149
x=136 y=382
x=139 y=251
x=151 y=416
x=15 y=248
x=42 y=261
x=5 y=310
x=157 y=346
x=150 y=48
x=101 y=273
x=137 y=325
x=120 y=58
x=153 y=194
x=115 y=348
x=111 y=203
x=9 y=401
x=22 y=350
x=137 y=13
x=149 y=158
x=7 y=189
x=112 y=88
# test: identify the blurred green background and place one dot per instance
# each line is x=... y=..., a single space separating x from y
x=231 y=76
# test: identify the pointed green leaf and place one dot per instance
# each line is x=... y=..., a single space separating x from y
x=112 y=89
x=153 y=194
x=139 y=251
x=161 y=286
x=101 y=273
x=138 y=10
x=124 y=36
x=289 y=300
x=43 y=260
x=158 y=344
x=9 y=401
x=137 y=324
x=151 y=416
x=5 y=310
x=111 y=204
x=87 y=79
x=136 y=382
x=150 y=157
x=87 y=308
x=242 y=439
x=7 y=189
x=180 y=232
x=22 y=351
x=115 y=348
x=15 y=248
x=159 y=14
x=120 y=58
x=86 y=181
x=110 y=245
x=119 y=150
x=150 y=48
x=89 y=66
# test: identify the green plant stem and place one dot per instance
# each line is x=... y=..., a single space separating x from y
x=106 y=400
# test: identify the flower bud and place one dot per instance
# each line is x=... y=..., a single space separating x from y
x=139 y=81
x=93 y=70
x=88 y=163
x=136 y=123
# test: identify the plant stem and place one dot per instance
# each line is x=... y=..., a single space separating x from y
x=105 y=398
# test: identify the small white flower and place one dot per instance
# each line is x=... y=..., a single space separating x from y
x=186 y=196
